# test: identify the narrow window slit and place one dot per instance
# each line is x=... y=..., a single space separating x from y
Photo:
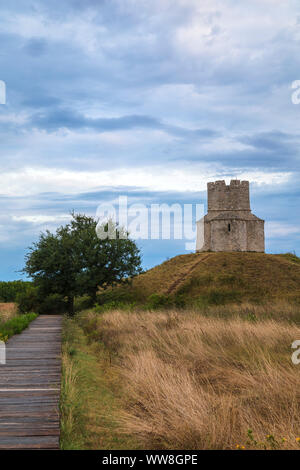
x=229 y=228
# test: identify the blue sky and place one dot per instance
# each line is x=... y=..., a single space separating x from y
x=149 y=99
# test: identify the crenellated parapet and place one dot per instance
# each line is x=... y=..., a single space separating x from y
x=234 y=196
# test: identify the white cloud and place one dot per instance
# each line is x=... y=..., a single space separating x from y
x=80 y=29
x=30 y=181
x=41 y=218
x=280 y=229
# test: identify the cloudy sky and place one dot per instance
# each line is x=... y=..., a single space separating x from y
x=149 y=99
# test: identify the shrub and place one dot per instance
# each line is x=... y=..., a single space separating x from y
x=109 y=306
x=201 y=302
x=116 y=295
x=180 y=301
x=219 y=297
x=28 y=300
x=156 y=301
x=82 y=303
x=11 y=289
x=32 y=301
x=53 y=304
x=196 y=281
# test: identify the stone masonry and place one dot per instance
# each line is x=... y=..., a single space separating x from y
x=229 y=224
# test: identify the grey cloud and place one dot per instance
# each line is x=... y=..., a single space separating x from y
x=36 y=47
x=274 y=141
x=65 y=118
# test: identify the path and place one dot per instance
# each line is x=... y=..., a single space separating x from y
x=183 y=276
x=30 y=387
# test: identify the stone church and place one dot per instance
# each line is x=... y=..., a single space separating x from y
x=229 y=224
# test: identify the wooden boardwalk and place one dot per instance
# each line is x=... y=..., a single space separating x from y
x=30 y=387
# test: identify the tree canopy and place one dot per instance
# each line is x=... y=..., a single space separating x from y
x=75 y=261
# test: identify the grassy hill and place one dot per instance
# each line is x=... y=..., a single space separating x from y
x=216 y=374
x=217 y=278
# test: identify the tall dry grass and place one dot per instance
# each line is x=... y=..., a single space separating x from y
x=68 y=394
x=202 y=382
x=70 y=397
x=7 y=311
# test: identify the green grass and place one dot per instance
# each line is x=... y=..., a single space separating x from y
x=15 y=325
x=90 y=395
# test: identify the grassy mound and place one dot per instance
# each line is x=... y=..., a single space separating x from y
x=215 y=279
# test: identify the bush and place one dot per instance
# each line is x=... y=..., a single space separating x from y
x=32 y=301
x=218 y=297
x=109 y=306
x=180 y=301
x=116 y=295
x=11 y=289
x=53 y=304
x=156 y=301
x=28 y=301
x=82 y=303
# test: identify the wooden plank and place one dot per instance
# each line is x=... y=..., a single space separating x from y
x=30 y=387
x=32 y=442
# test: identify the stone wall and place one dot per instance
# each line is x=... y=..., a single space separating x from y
x=222 y=197
x=244 y=235
x=256 y=235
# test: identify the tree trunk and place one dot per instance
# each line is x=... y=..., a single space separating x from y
x=93 y=296
x=70 y=306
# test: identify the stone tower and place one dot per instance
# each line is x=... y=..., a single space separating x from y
x=229 y=224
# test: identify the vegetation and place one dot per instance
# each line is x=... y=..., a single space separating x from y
x=74 y=261
x=203 y=279
x=184 y=380
x=193 y=354
x=11 y=289
x=90 y=395
x=15 y=325
x=11 y=321
x=7 y=311
x=32 y=300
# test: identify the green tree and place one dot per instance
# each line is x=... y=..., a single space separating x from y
x=11 y=289
x=104 y=261
x=75 y=261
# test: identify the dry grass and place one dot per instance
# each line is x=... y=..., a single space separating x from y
x=68 y=392
x=7 y=311
x=280 y=311
x=90 y=399
x=201 y=382
x=220 y=278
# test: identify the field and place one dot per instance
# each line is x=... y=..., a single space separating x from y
x=182 y=379
x=7 y=311
x=192 y=354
